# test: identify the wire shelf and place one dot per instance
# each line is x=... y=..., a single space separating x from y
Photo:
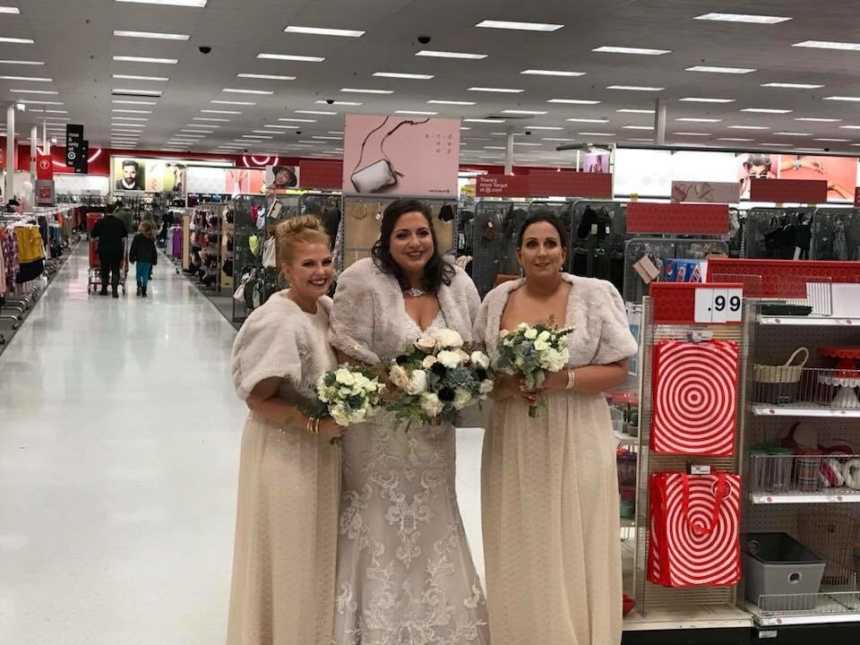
x=835 y=389
x=804 y=472
x=801 y=609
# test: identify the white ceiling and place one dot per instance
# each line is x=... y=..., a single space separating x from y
x=75 y=41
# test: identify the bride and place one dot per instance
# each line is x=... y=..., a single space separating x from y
x=404 y=573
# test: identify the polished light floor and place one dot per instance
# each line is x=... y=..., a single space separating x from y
x=119 y=448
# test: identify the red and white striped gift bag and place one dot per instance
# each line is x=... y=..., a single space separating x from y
x=694 y=534
x=695 y=398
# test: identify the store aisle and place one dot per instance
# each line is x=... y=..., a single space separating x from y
x=119 y=439
x=119 y=448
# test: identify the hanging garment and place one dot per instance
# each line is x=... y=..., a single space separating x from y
x=30 y=245
x=695 y=398
x=3 y=286
x=694 y=532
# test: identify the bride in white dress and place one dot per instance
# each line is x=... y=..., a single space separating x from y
x=405 y=574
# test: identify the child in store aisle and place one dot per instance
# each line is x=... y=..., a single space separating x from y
x=144 y=254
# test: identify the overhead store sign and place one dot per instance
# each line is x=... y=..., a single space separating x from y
x=74 y=137
x=545 y=184
x=82 y=161
x=706 y=192
x=44 y=167
x=678 y=219
x=395 y=156
x=801 y=191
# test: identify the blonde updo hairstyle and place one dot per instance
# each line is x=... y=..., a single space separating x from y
x=296 y=230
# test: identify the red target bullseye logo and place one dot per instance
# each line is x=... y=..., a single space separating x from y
x=694 y=541
x=695 y=398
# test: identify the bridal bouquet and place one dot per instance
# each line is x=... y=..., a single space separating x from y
x=437 y=377
x=532 y=352
x=349 y=395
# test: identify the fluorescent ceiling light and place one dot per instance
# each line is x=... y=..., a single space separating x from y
x=327 y=138
x=50 y=92
x=235 y=90
x=125 y=111
x=415 y=77
x=189 y=131
x=255 y=136
x=283 y=127
x=222 y=102
x=131 y=118
x=834 y=140
x=324 y=31
x=849 y=127
x=794 y=86
x=205 y=126
x=550 y=72
x=638 y=127
x=210 y=118
x=129 y=102
x=814 y=119
x=693 y=99
x=575 y=120
x=691 y=134
x=498 y=90
x=749 y=127
x=518 y=26
x=136 y=92
x=128 y=125
x=357 y=90
x=850 y=99
x=556 y=139
x=442 y=102
x=267 y=77
x=17 y=41
x=172 y=3
x=442 y=54
x=293 y=57
x=145 y=59
x=416 y=112
x=632 y=50
x=698 y=120
x=825 y=44
x=262 y=132
x=494 y=148
x=220 y=111
x=527 y=144
x=14 y=10
x=484 y=120
x=33 y=79
x=527 y=112
x=545 y=127
x=635 y=111
x=635 y=88
x=292 y=120
x=743 y=17
x=34 y=102
x=766 y=111
x=733 y=139
x=320 y=112
x=351 y=103
x=596 y=134
x=713 y=69
x=21 y=62
x=56 y=112
x=120 y=33
x=133 y=77
x=574 y=101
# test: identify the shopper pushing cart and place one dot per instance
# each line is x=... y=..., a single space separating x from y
x=110 y=232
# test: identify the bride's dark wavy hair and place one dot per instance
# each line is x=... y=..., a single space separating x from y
x=436 y=272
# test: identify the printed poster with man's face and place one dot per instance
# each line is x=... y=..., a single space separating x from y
x=150 y=175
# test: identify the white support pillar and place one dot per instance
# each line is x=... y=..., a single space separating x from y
x=34 y=151
x=46 y=142
x=659 y=123
x=9 y=189
x=509 y=155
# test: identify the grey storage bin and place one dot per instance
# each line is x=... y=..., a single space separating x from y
x=781 y=574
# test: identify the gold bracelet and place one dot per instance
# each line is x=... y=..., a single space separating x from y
x=571 y=379
x=317 y=425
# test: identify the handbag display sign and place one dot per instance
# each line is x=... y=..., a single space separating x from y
x=545 y=184
x=395 y=156
x=695 y=398
x=694 y=538
x=706 y=192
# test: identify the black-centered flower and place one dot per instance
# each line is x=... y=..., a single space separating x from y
x=446 y=394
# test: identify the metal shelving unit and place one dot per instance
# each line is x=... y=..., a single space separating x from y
x=807 y=321
x=809 y=410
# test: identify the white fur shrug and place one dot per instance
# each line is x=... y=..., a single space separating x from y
x=369 y=320
x=601 y=332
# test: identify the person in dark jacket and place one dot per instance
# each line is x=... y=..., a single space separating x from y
x=144 y=255
x=110 y=231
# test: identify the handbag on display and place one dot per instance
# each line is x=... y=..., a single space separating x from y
x=695 y=398
x=694 y=537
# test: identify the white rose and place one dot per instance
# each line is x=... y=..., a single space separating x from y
x=555 y=361
x=431 y=404
x=426 y=343
x=462 y=398
x=486 y=386
x=522 y=326
x=358 y=415
x=544 y=335
x=428 y=362
x=531 y=333
x=345 y=377
x=480 y=359
x=503 y=333
x=418 y=383
x=447 y=338
x=399 y=377
x=449 y=359
x=541 y=345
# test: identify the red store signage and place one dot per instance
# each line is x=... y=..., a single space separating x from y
x=678 y=219
x=545 y=184
x=44 y=167
x=801 y=191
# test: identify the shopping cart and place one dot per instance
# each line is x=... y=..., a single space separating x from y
x=94 y=282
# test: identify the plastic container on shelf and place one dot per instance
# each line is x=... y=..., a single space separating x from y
x=779 y=384
x=771 y=468
x=781 y=574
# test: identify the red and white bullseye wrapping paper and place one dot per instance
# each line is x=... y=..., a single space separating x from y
x=695 y=398
x=694 y=537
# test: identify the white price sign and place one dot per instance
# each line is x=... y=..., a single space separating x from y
x=717 y=306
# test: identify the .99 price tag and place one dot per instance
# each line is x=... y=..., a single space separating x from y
x=717 y=306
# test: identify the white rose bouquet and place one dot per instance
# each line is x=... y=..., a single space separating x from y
x=531 y=352
x=349 y=395
x=437 y=377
